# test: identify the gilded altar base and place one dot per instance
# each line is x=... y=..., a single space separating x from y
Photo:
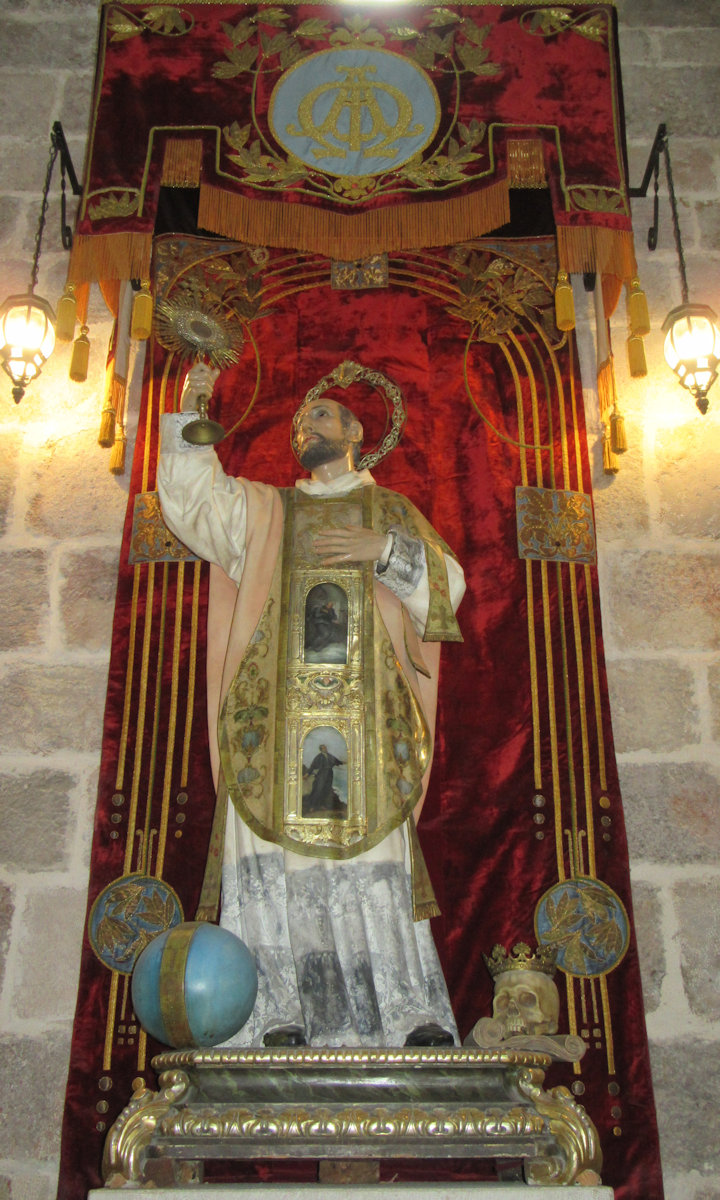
x=318 y=1103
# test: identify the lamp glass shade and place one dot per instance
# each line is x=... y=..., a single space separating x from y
x=27 y=337
x=692 y=346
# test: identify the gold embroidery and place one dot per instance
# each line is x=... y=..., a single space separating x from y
x=151 y=540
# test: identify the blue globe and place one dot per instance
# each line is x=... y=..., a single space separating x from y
x=194 y=985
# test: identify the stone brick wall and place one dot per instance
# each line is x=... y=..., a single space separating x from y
x=61 y=515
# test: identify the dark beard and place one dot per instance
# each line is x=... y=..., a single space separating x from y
x=315 y=454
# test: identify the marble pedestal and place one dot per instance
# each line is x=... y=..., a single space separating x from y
x=351 y=1104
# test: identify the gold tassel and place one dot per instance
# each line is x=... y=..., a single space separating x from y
x=618 y=438
x=142 y=314
x=117 y=454
x=564 y=304
x=80 y=356
x=106 y=436
x=66 y=315
x=637 y=308
x=611 y=465
x=636 y=356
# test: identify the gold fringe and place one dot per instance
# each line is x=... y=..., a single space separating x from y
x=182 y=162
x=117 y=454
x=618 y=437
x=636 y=356
x=564 y=303
x=593 y=248
x=526 y=163
x=80 y=356
x=97 y=256
x=341 y=237
x=611 y=465
x=637 y=308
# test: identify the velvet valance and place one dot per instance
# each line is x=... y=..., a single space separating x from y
x=346 y=131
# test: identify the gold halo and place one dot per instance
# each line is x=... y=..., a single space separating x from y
x=348 y=372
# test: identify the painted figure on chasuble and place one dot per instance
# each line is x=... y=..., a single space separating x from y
x=328 y=602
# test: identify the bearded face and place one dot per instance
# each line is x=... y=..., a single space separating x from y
x=323 y=432
x=316 y=450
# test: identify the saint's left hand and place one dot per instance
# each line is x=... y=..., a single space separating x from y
x=351 y=543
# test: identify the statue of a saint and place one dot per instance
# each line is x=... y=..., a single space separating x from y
x=327 y=605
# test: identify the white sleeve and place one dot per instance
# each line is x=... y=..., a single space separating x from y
x=403 y=569
x=202 y=505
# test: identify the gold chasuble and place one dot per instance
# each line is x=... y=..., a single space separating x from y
x=326 y=729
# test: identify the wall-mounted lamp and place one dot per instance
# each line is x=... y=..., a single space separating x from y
x=27 y=322
x=692 y=338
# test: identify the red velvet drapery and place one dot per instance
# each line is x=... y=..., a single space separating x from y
x=524 y=795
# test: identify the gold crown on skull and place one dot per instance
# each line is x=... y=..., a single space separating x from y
x=521 y=959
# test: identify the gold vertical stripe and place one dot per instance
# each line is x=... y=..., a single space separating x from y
x=152 y=766
x=125 y=728
x=192 y=673
x=572 y=1013
x=596 y=679
x=110 y=1023
x=572 y=355
x=607 y=1020
x=593 y=993
x=548 y=394
x=520 y=414
x=563 y=433
x=172 y=720
x=123 y=1002
x=582 y=705
x=583 y=1000
x=534 y=696
x=555 y=766
x=141 y=713
x=150 y=410
x=142 y=1050
x=568 y=714
x=534 y=406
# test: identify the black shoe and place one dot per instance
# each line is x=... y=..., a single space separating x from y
x=430 y=1035
x=287 y=1035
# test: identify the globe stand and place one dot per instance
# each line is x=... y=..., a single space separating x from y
x=352 y=1104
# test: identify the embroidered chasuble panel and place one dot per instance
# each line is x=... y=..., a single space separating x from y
x=522 y=827
x=351 y=131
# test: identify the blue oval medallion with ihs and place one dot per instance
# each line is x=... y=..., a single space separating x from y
x=354 y=111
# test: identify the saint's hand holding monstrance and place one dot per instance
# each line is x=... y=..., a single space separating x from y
x=328 y=602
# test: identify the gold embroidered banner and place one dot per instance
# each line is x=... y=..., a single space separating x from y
x=353 y=132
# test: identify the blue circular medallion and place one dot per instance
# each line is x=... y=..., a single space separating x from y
x=127 y=915
x=588 y=924
x=354 y=112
